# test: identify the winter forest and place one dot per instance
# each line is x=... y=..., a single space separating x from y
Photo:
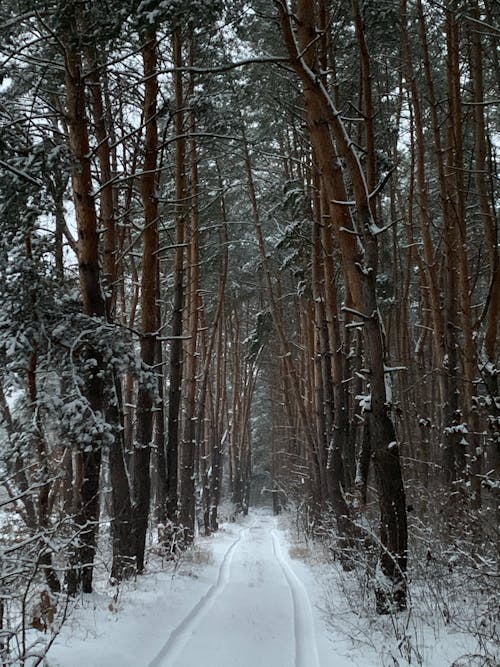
x=249 y=304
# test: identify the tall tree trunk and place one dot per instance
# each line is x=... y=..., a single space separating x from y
x=149 y=295
x=205 y=441
x=160 y=433
x=188 y=450
x=340 y=445
x=386 y=461
x=456 y=169
x=121 y=522
x=325 y=123
x=488 y=217
x=175 y=368
x=492 y=308
x=320 y=353
x=87 y=510
x=453 y=459
x=218 y=432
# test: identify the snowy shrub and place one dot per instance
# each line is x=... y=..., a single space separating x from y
x=452 y=617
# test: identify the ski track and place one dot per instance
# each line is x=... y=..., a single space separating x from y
x=306 y=650
x=181 y=634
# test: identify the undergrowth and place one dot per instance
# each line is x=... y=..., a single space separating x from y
x=453 y=616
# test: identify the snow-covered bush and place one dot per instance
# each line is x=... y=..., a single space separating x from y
x=452 y=617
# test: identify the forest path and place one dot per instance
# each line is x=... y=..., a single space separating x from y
x=257 y=614
x=235 y=600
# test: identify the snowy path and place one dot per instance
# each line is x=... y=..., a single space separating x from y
x=237 y=601
x=258 y=612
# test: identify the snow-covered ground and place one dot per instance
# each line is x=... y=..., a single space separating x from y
x=237 y=599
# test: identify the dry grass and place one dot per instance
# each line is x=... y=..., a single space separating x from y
x=300 y=552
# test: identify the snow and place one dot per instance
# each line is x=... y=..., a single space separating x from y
x=237 y=601
x=458 y=428
x=249 y=596
x=5 y=84
x=13 y=396
x=365 y=402
x=388 y=388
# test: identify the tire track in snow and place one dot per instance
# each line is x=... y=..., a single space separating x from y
x=306 y=650
x=182 y=633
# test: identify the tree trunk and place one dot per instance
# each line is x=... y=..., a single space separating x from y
x=121 y=522
x=161 y=460
x=188 y=451
x=87 y=511
x=325 y=123
x=456 y=169
x=175 y=368
x=204 y=440
x=149 y=295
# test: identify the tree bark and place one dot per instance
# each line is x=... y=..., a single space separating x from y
x=360 y=268
x=175 y=367
x=87 y=513
x=188 y=450
x=149 y=295
x=210 y=462
x=121 y=522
